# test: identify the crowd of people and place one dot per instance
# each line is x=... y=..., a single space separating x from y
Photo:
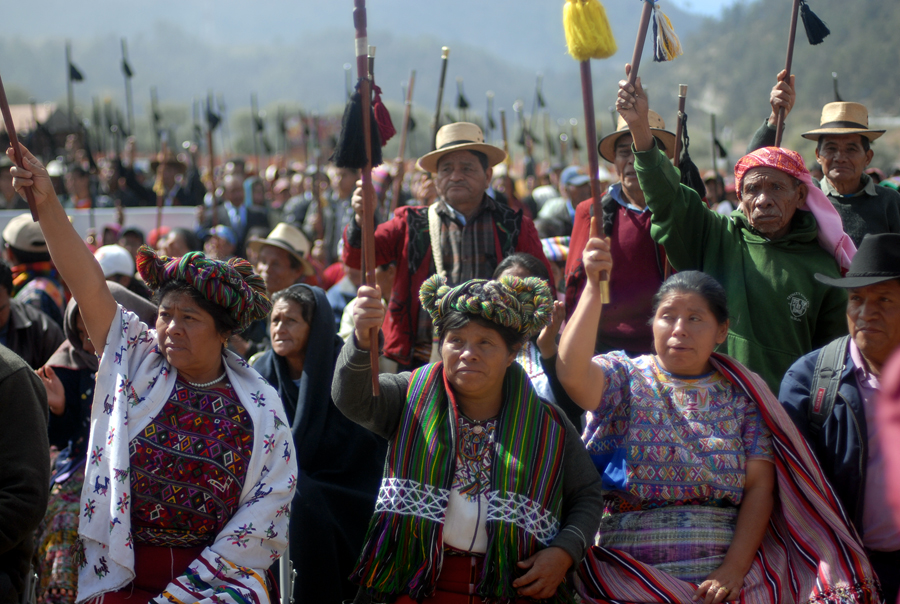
x=185 y=406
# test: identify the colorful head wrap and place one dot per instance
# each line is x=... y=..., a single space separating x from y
x=831 y=230
x=232 y=285
x=522 y=304
x=556 y=249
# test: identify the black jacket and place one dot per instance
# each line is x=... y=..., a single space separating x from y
x=841 y=445
x=32 y=334
x=24 y=470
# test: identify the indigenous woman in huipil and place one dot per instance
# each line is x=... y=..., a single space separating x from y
x=488 y=493
x=691 y=446
x=191 y=468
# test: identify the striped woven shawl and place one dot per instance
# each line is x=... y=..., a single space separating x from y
x=404 y=549
x=810 y=553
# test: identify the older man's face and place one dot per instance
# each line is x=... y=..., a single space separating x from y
x=843 y=159
x=461 y=181
x=873 y=316
x=769 y=198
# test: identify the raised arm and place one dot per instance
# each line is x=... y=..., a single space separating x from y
x=782 y=96
x=583 y=379
x=75 y=262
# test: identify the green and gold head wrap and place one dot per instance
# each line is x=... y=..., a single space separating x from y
x=521 y=304
x=233 y=285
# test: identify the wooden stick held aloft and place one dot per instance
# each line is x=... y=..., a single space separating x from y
x=789 y=59
x=17 y=152
x=368 y=226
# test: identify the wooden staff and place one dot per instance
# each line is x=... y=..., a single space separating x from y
x=712 y=140
x=401 y=154
x=445 y=53
x=779 y=124
x=679 y=125
x=507 y=180
x=17 y=152
x=590 y=137
x=368 y=226
x=646 y=14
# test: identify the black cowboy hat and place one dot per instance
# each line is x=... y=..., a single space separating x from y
x=877 y=260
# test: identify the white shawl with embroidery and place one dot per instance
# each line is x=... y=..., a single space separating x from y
x=134 y=382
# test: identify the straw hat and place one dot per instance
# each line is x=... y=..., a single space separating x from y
x=457 y=137
x=844 y=118
x=607 y=146
x=290 y=239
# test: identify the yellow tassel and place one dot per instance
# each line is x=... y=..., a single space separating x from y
x=588 y=34
x=667 y=45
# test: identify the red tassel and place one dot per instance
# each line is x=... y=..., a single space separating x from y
x=383 y=118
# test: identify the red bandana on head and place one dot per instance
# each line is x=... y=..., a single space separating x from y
x=831 y=230
x=785 y=160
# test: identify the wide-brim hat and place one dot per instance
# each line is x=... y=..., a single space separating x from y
x=290 y=239
x=843 y=118
x=607 y=146
x=876 y=260
x=461 y=136
x=167 y=159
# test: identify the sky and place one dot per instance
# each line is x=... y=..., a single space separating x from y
x=710 y=8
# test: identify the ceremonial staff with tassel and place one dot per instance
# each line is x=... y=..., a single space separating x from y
x=212 y=120
x=816 y=31
x=128 y=73
x=401 y=153
x=588 y=36
x=359 y=148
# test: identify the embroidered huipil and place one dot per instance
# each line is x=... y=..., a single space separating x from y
x=659 y=440
x=464 y=524
x=203 y=437
x=135 y=388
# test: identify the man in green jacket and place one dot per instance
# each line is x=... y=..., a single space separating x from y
x=765 y=253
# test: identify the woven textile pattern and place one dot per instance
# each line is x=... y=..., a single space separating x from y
x=188 y=466
x=660 y=440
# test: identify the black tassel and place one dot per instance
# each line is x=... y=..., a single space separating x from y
x=816 y=30
x=690 y=174
x=350 y=149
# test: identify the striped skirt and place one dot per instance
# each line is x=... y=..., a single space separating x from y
x=686 y=541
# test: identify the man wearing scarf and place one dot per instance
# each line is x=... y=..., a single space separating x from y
x=765 y=253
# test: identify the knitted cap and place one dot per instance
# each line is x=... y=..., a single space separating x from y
x=232 y=285
x=522 y=304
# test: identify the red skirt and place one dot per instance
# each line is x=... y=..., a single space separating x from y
x=456 y=583
x=154 y=569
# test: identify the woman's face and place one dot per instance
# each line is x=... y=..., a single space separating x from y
x=86 y=343
x=187 y=335
x=685 y=332
x=475 y=360
x=289 y=331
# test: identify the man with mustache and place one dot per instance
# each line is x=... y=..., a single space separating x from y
x=626 y=221
x=765 y=253
x=839 y=422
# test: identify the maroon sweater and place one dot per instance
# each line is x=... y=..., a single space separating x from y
x=636 y=276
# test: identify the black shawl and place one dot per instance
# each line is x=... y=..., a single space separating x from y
x=340 y=466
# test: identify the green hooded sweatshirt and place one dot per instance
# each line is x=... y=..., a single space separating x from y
x=778 y=310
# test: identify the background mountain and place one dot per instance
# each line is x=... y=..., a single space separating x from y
x=292 y=55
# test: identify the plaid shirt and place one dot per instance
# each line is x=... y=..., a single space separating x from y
x=469 y=251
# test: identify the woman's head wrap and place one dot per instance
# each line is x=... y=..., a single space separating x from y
x=521 y=304
x=831 y=230
x=232 y=285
